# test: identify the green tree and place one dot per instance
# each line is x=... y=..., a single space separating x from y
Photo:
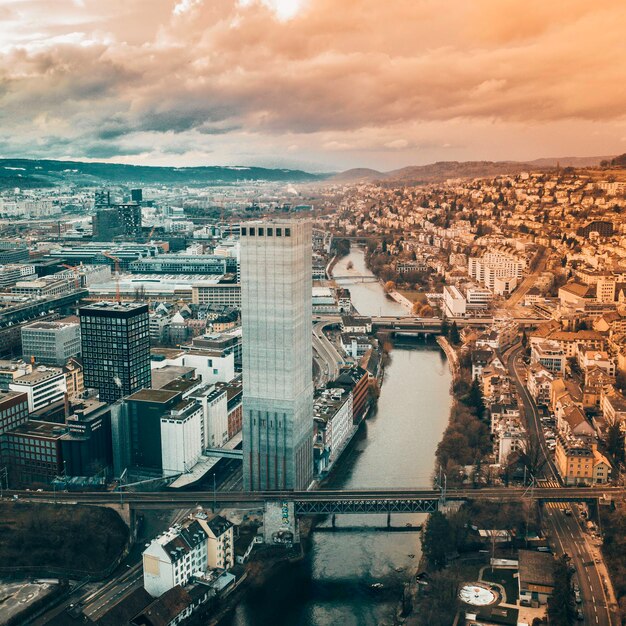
x=453 y=335
x=615 y=441
x=474 y=398
x=445 y=327
x=436 y=539
x=560 y=606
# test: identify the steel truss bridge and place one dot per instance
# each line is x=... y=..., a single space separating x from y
x=341 y=507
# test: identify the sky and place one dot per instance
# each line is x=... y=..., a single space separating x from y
x=323 y=85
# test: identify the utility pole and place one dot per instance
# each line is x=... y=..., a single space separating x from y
x=214 y=494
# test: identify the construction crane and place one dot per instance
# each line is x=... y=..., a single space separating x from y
x=74 y=269
x=116 y=262
x=151 y=233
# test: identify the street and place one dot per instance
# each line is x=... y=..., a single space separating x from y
x=567 y=533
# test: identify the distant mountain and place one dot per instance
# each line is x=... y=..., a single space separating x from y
x=357 y=174
x=618 y=161
x=28 y=173
x=442 y=170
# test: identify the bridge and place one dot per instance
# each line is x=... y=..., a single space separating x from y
x=224 y=453
x=356 y=278
x=329 y=501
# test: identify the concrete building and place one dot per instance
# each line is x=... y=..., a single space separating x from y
x=454 y=302
x=181 y=441
x=115 y=343
x=211 y=292
x=51 y=343
x=277 y=355
x=536 y=577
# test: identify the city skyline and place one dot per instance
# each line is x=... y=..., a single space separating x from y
x=308 y=84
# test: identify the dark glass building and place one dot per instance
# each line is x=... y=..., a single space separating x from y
x=115 y=340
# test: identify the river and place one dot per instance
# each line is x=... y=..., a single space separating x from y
x=395 y=447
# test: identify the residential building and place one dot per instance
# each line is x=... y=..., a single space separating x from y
x=579 y=463
x=186 y=551
x=550 y=355
x=115 y=348
x=277 y=355
x=208 y=292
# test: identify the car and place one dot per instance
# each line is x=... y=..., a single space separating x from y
x=567 y=511
x=579 y=615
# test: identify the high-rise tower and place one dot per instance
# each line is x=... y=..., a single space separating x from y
x=277 y=355
x=115 y=340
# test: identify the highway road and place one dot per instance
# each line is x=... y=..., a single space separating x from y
x=568 y=534
x=329 y=358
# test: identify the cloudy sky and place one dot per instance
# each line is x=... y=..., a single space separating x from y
x=319 y=84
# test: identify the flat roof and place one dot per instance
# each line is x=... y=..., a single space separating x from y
x=153 y=395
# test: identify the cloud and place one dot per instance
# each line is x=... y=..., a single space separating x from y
x=315 y=78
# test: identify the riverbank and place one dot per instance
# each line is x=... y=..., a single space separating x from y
x=452 y=356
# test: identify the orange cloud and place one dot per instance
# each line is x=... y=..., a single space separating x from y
x=413 y=78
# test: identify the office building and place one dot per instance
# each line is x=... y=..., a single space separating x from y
x=86 y=446
x=13 y=252
x=51 y=343
x=115 y=340
x=277 y=355
x=43 y=387
x=13 y=410
x=136 y=195
x=118 y=220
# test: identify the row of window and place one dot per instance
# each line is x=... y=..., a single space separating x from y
x=261 y=231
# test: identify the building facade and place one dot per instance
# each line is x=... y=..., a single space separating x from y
x=277 y=355
x=115 y=343
x=51 y=343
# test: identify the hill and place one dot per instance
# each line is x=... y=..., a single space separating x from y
x=442 y=170
x=28 y=173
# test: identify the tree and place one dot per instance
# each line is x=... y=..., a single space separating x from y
x=453 y=335
x=615 y=441
x=436 y=539
x=445 y=327
x=474 y=398
x=560 y=606
x=390 y=286
x=427 y=311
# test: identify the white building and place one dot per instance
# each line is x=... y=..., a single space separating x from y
x=44 y=386
x=188 y=550
x=174 y=557
x=181 y=437
x=454 y=302
x=214 y=416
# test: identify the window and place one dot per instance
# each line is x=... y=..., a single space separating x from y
x=244 y=230
x=287 y=232
x=260 y=232
x=251 y=232
x=270 y=232
x=279 y=232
